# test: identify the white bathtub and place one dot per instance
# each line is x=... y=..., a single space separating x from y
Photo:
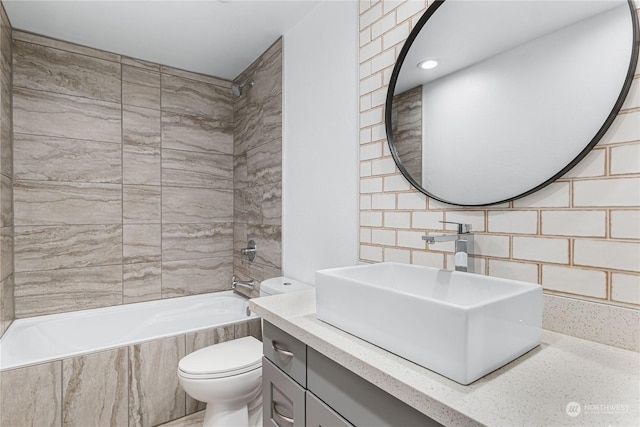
x=58 y=336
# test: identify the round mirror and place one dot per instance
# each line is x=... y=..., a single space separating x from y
x=490 y=101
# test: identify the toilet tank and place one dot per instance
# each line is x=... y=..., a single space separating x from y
x=281 y=285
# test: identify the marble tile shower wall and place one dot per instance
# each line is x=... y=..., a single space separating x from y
x=123 y=179
x=257 y=171
x=6 y=177
x=579 y=237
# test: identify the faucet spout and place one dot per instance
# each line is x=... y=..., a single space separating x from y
x=463 y=247
x=436 y=238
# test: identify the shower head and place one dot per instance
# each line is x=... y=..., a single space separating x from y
x=237 y=88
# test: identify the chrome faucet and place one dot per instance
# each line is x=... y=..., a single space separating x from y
x=464 y=245
x=244 y=283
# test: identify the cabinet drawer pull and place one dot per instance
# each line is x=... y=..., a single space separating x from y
x=279 y=415
x=281 y=350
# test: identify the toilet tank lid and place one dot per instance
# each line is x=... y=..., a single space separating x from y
x=224 y=357
x=281 y=285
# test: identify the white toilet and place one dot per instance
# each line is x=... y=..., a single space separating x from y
x=228 y=376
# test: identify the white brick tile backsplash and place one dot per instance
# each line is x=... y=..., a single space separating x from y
x=365 y=136
x=383 y=166
x=554 y=195
x=475 y=218
x=520 y=222
x=370 y=84
x=625 y=288
x=370 y=151
x=371 y=15
x=574 y=223
x=625 y=159
x=607 y=254
x=389 y=5
x=398 y=35
x=607 y=192
x=365 y=202
x=370 y=50
x=371 y=253
x=365 y=235
x=592 y=165
x=378 y=133
x=572 y=280
x=429 y=259
x=383 y=237
x=411 y=239
x=365 y=169
x=363 y=5
x=396 y=183
x=379 y=97
x=514 y=270
x=365 y=103
x=365 y=36
x=397 y=255
x=633 y=98
x=409 y=8
x=383 y=25
x=427 y=220
x=625 y=224
x=371 y=117
x=365 y=69
x=625 y=128
x=385 y=59
x=370 y=185
x=412 y=200
x=397 y=220
x=383 y=201
x=541 y=249
x=370 y=219
x=490 y=245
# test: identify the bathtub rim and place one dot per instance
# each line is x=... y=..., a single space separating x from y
x=114 y=309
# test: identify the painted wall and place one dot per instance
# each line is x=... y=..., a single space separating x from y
x=319 y=156
x=578 y=237
x=6 y=177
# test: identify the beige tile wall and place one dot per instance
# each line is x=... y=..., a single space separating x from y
x=123 y=179
x=578 y=237
x=257 y=172
x=135 y=385
x=6 y=177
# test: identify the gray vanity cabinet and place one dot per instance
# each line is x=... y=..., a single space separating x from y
x=302 y=387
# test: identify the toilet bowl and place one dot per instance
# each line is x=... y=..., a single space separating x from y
x=228 y=378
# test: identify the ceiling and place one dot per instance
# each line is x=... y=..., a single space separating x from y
x=216 y=37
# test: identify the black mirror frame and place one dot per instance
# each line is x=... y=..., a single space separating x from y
x=603 y=129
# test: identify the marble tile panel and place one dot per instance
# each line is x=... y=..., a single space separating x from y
x=53 y=70
x=191 y=277
x=140 y=87
x=272 y=120
x=264 y=164
x=191 y=97
x=95 y=389
x=67 y=246
x=135 y=62
x=69 y=47
x=201 y=339
x=43 y=158
x=56 y=291
x=6 y=252
x=141 y=126
x=192 y=420
x=195 y=76
x=141 y=164
x=32 y=396
x=251 y=328
x=45 y=113
x=239 y=236
x=6 y=146
x=7 y=306
x=269 y=239
x=183 y=205
x=141 y=282
x=6 y=201
x=194 y=133
x=260 y=204
x=56 y=203
x=142 y=243
x=240 y=172
x=193 y=241
x=141 y=204
x=191 y=169
x=247 y=128
x=155 y=395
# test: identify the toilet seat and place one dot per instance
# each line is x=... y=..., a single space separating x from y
x=222 y=360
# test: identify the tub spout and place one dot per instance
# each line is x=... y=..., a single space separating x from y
x=250 y=284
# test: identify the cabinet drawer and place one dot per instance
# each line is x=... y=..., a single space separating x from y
x=319 y=414
x=286 y=352
x=283 y=401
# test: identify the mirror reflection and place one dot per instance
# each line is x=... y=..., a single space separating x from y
x=492 y=100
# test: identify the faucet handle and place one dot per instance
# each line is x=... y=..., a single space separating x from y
x=462 y=228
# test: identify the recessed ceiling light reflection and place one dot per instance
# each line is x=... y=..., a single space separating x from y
x=428 y=64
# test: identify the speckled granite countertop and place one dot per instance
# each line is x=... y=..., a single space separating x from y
x=534 y=389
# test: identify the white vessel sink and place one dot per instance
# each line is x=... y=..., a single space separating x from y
x=460 y=325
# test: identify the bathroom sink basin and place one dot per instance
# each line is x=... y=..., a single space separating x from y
x=460 y=325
